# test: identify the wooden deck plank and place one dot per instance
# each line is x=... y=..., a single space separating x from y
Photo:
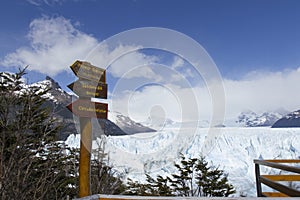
x=274 y=194
x=282 y=177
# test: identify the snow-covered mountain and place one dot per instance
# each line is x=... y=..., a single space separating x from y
x=244 y=119
x=128 y=125
x=55 y=92
x=275 y=119
x=159 y=123
x=58 y=99
x=252 y=119
x=116 y=124
x=232 y=149
x=290 y=120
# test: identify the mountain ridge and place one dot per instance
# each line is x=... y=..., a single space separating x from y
x=252 y=119
x=288 y=121
x=57 y=99
x=100 y=126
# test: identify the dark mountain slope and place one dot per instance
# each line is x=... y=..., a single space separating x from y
x=290 y=120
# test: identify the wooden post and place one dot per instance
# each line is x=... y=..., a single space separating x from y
x=85 y=157
x=91 y=83
x=258 y=183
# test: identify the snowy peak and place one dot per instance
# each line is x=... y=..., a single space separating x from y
x=160 y=122
x=126 y=124
x=57 y=99
x=293 y=115
x=51 y=87
x=54 y=92
x=252 y=119
x=53 y=83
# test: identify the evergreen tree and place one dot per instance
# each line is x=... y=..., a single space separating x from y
x=211 y=181
x=193 y=178
x=137 y=188
x=183 y=181
x=32 y=164
x=159 y=186
x=196 y=178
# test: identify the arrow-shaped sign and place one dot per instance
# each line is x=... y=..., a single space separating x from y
x=86 y=108
x=85 y=88
x=87 y=71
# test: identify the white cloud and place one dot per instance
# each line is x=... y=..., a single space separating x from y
x=133 y=65
x=183 y=67
x=266 y=92
x=179 y=104
x=177 y=62
x=47 y=2
x=54 y=44
x=123 y=61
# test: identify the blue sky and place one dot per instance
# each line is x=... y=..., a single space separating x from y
x=246 y=39
x=239 y=35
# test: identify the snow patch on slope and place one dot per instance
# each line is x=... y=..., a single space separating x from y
x=126 y=124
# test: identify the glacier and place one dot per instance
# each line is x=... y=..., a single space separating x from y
x=232 y=149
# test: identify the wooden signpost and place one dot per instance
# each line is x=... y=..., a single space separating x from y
x=87 y=71
x=91 y=84
x=86 y=108
x=85 y=88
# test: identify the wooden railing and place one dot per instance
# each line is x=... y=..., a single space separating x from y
x=273 y=181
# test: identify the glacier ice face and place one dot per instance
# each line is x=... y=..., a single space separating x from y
x=232 y=149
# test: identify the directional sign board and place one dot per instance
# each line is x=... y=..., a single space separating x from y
x=87 y=71
x=91 y=83
x=86 y=108
x=85 y=88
